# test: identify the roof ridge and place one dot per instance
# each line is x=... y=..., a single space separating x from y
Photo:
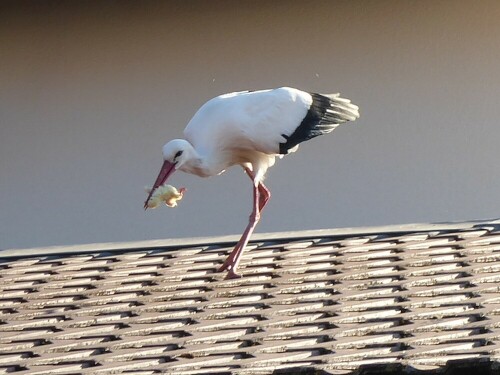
x=272 y=236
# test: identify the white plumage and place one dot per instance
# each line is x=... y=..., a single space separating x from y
x=251 y=128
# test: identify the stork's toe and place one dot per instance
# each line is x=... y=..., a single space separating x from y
x=232 y=275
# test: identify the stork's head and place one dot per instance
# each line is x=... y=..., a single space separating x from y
x=177 y=154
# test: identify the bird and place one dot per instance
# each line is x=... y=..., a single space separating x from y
x=251 y=129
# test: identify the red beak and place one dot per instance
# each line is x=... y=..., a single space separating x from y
x=166 y=170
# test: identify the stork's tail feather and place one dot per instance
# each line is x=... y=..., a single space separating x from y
x=339 y=110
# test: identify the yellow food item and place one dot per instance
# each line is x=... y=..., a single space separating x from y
x=167 y=194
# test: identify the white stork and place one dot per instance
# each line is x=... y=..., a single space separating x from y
x=250 y=129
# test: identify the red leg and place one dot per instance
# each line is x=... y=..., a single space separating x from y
x=265 y=193
x=232 y=261
x=261 y=196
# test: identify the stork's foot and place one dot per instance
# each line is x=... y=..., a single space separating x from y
x=232 y=275
x=229 y=267
x=226 y=266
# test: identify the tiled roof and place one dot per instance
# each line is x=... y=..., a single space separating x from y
x=330 y=301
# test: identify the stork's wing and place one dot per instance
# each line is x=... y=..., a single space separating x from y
x=325 y=113
x=269 y=121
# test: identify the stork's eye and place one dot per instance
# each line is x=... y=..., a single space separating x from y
x=177 y=154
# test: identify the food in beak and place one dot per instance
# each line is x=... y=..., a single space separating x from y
x=167 y=194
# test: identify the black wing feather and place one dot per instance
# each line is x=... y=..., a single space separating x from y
x=325 y=114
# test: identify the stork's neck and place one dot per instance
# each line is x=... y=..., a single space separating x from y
x=199 y=163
